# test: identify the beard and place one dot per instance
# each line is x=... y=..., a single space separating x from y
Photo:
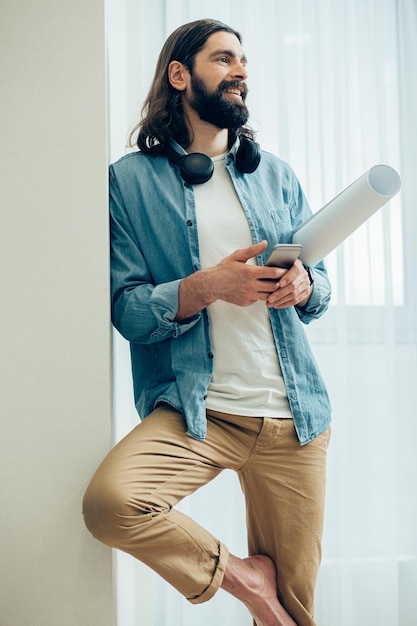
x=214 y=108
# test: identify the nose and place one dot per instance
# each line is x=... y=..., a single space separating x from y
x=239 y=71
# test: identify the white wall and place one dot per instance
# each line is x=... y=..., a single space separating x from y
x=54 y=319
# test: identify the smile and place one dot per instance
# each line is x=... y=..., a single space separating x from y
x=235 y=91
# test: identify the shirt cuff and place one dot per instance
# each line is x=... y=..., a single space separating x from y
x=164 y=304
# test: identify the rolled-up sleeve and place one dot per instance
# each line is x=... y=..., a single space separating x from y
x=146 y=313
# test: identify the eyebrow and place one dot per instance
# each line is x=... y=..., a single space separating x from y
x=229 y=53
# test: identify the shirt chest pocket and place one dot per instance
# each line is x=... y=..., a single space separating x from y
x=280 y=221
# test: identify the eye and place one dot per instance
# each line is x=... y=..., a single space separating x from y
x=223 y=59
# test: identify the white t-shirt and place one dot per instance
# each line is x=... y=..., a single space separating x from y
x=247 y=378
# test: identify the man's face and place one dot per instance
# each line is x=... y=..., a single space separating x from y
x=218 y=87
x=214 y=107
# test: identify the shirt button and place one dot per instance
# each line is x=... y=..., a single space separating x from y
x=189 y=223
x=195 y=268
x=210 y=355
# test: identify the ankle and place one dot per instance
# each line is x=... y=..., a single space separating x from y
x=243 y=575
x=232 y=578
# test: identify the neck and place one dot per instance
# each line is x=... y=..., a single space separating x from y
x=207 y=138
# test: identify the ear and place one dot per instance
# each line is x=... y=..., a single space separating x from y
x=177 y=74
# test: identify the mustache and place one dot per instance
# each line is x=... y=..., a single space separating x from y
x=237 y=84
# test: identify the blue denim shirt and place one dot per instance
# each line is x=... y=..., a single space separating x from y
x=154 y=245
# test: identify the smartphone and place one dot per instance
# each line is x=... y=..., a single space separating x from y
x=284 y=254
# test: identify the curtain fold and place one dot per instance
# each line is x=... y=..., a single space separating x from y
x=333 y=91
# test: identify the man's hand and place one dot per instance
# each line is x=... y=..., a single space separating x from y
x=232 y=280
x=294 y=288
x=236 y=281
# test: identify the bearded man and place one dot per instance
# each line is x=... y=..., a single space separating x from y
x=223 y=375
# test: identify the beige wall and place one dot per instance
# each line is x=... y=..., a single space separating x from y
x=54 y=354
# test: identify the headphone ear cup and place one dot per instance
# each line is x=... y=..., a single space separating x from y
x=195 y=168
x=248 y=155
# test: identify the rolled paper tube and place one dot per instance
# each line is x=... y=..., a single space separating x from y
x=327 y=228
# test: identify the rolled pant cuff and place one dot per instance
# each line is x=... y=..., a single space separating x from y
x=217 y=579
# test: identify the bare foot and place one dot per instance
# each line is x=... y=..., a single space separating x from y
x=254 y=582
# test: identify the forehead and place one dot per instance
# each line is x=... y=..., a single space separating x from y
x=222 y=41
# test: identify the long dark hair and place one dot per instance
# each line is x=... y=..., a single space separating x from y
x=162 y=116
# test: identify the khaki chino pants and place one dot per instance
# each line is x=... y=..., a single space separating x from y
x=130 y=501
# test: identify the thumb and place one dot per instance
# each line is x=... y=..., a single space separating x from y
x=244 y=254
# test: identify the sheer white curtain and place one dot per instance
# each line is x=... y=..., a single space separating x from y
x=332 y=91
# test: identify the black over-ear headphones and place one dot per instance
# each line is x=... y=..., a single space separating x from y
x=197 y=168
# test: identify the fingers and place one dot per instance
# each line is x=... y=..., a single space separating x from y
x=294 y=288
x=242 y=284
